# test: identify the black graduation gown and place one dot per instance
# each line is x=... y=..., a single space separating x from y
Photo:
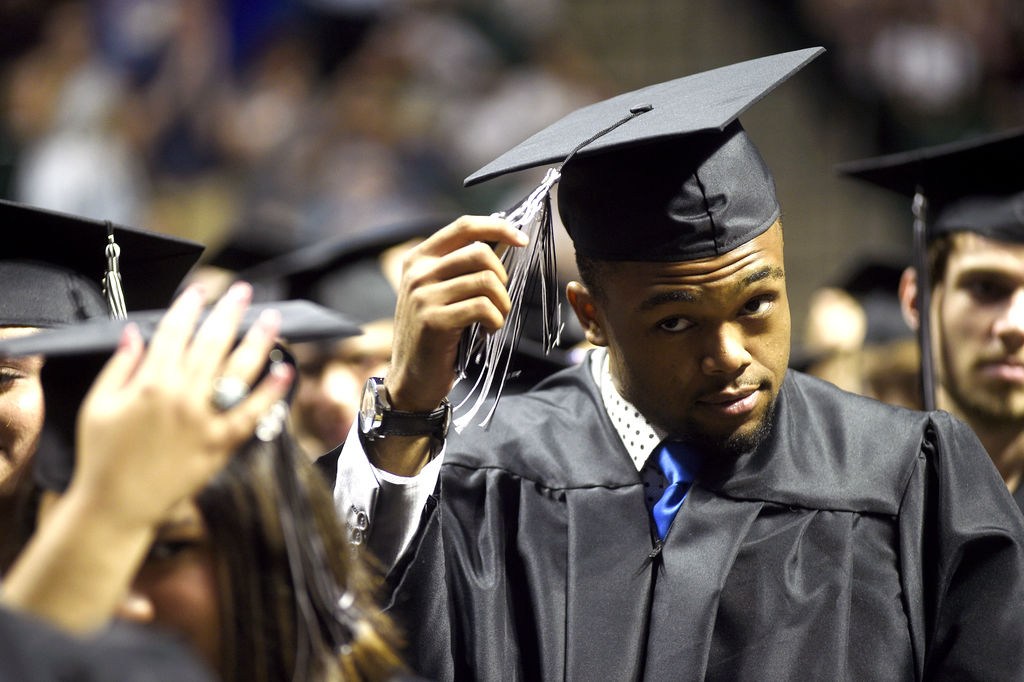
x=861 y=541
x=33 y=651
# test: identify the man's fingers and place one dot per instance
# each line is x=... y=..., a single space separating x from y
x=467 y=287
x=463 y=313
x=469 y=229
x=475 y=257
x=216 y=335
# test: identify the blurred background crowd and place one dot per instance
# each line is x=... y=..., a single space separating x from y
x=273 y=124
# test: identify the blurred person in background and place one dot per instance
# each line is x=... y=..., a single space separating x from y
x=856 y=338
x=51 y=271
x=969 y=276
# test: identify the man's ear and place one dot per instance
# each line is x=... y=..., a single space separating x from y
x=908 y=298
x=582 y=301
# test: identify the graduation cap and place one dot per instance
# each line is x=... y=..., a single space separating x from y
x=974 y=185
x=663 y=173
x=75 y=354
x=57 y=268
x=343 y=273
x=246 y=247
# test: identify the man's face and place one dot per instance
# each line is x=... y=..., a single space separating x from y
x=331 y=381
x=978 y=325
x=21 y=404
x=701 y=347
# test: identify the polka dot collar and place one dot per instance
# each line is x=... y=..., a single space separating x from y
x=638 y=435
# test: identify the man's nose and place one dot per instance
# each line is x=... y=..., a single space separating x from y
x=726 y=352
x=1009 y=326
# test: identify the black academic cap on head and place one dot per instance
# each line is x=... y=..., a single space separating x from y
x=52 y=266
x=343 y=273
x=974 y=185
x=75 y=354
x=666 y=172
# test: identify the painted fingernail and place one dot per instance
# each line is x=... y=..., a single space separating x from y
x=240 y=291
x=269 y=321
x=128 y=336
x=282 y=372
x=192 y=293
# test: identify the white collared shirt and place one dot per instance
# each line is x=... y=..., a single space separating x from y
x=638 y=435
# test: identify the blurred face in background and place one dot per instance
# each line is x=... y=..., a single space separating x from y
x=330 y=383
x=21 y=404
x=176 y=586
x=978 y=309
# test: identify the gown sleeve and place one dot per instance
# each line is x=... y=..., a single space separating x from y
x=962 y=539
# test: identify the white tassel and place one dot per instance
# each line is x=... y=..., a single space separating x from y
x=112 y=279
x=494 y=351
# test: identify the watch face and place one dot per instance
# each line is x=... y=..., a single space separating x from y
x=368 y=407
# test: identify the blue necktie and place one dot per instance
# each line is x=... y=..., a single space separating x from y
x=678 y=464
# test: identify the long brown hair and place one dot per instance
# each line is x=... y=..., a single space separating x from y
x=296 y=603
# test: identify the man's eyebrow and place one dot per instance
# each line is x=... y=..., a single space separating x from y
x=691 y=295
x=671 y=296
x=767 y=272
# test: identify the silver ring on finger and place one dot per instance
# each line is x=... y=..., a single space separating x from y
x=228 y=392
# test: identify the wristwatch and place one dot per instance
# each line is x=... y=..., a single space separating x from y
x=378 y=420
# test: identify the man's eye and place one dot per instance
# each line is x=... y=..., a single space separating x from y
x=758 y=304
x=674 y=324
x=987 y=290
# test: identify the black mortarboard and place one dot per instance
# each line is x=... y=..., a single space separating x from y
x=665 y=172
x=75 y=354
x=974 y=185
x=343 y=273
x=52 y=266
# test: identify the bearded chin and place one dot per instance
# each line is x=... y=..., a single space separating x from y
x=735 y=444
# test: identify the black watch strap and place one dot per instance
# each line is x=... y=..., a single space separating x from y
x=399 y=423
